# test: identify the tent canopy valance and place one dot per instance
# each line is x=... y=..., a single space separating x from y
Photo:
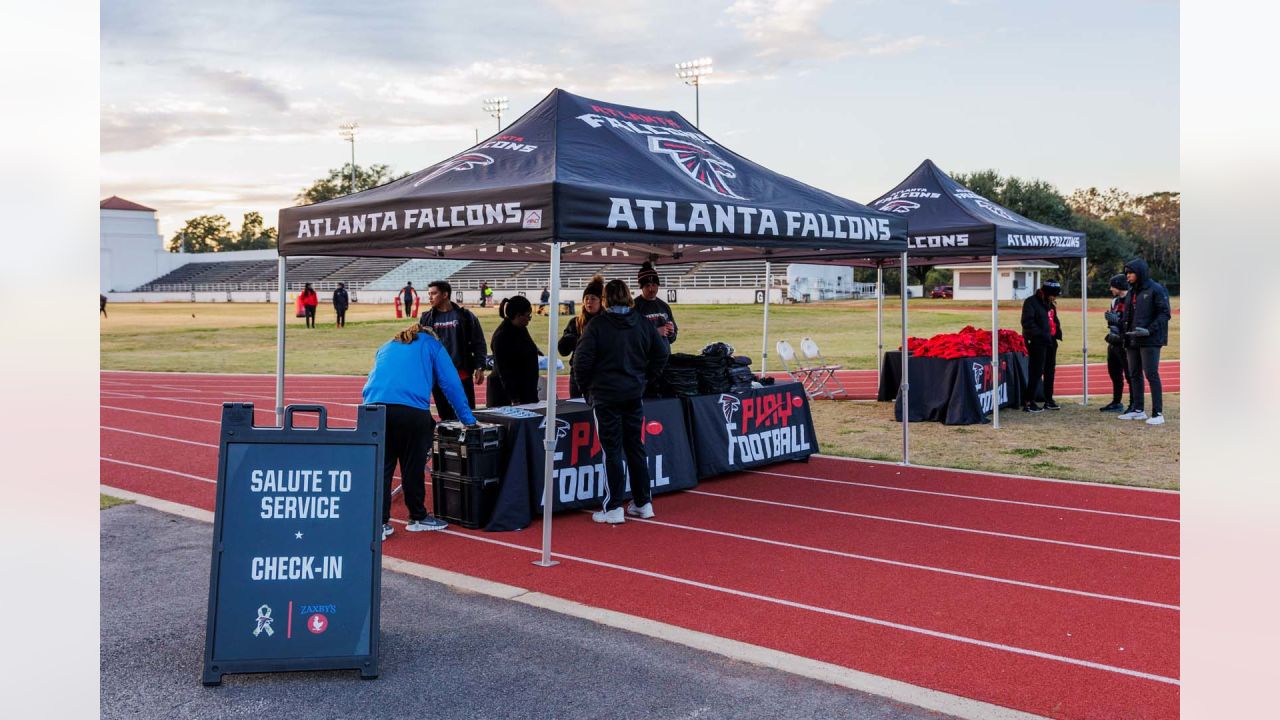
x=949 y=220
x=608 y=181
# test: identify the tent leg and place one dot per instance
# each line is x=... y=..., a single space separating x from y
x=905 y=392
x=879 y=321
x=549 y=436
x=1084 y=331
x=768 y=288
x=995 y=342
x=282 y=270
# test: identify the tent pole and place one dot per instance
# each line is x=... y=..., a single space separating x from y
x=879 y=320
x=995 y=342
x=282 y=269
x=905 y=392
x=764 y=347
x=549 y=436
x=1084 y=331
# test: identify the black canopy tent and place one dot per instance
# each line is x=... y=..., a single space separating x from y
x=949 y=221
x=582 y=180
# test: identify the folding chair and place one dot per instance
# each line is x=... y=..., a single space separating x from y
x=824 y=373
x=791 y=366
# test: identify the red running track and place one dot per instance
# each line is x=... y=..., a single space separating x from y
x=1059 y=599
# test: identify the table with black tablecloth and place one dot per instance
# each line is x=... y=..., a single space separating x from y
x=954 y=391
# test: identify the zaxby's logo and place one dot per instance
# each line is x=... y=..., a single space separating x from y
x=459 y=164
x=699 y=163
x=899 y=206
x=760 y=427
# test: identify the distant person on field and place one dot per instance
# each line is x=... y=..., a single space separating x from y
x=514 y=380
x=651 y=307
x=542 y=303
x=408 y=298
x=102 y=304
x=592 y=305
x=459 y=331
x=341 y=301
x=407 y=371
x=1117 y=361
x=486 y=295
x=1042 y=331
x=618 y=355
x=1146 y=330
x=309 y=302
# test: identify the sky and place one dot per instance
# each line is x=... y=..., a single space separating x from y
x=234 y=106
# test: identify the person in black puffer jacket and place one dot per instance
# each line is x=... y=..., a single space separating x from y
x=1146 y=330
x=1117 y=362
x=618 y=355
x=514 y=380
x=1042 y=331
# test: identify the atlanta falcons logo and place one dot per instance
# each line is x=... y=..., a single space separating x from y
x=460 y=163
x=562 y=427
x=899 y=206
x=993 y=209
x=698 y=163
x=729 y=404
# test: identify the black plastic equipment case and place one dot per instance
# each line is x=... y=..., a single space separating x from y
x=469 y=452
x=466 y=501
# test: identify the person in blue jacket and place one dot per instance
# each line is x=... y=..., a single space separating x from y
x=405 y=370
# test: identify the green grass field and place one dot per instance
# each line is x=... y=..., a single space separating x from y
x=1077 y=443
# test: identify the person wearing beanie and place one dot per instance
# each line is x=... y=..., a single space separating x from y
x=1117 y=362
x=1146 y=330
x=651 y=307
x=1042 y=331
x=592 y=304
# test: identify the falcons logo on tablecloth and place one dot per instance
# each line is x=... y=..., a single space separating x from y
x=699 y=164
x=460 y=163
x=562 y=427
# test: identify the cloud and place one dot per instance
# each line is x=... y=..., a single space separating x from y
x=140 y=129
x=900 y=45
x=238 y=85
x=786 y=28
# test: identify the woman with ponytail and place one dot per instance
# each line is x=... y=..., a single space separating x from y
x=514 y=380
x=405 y=370
x=592 y=304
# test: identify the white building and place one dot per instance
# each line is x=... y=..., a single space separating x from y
x=132 y=250
x=1018 y=279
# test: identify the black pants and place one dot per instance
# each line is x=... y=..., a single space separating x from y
x=444 y=409
x=1145 y=361
x=409 y=434
x=1118 y=370
x=620 y=438
x=310 y=312
x=1042 y=365
x=342 y=317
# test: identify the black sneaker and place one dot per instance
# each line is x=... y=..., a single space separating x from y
x=1032 y=408
x=1051 y=405
x=1113 y=407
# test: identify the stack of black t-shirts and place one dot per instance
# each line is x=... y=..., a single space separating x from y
x=740 y=375
x=713 y=371
x=680 y=377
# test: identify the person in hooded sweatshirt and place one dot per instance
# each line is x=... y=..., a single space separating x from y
x=592 y=305
x=1042 y=331
x=618 y=355
x=1146 y=330
x=514 y=380
x=653 y=308
x=1117 y=361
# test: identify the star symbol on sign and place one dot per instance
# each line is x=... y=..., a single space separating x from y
x=298 y=535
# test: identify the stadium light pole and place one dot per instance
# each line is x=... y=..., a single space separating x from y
x=691 y=73
x=348 y=132
x=494 y=106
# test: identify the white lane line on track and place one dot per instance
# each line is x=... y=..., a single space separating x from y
x=988 y=473
x=158 y=437
x=963 y=497
x=835 y=613
x=160 y=414
x=933 y=525
x=159 y=469
x=913 y=566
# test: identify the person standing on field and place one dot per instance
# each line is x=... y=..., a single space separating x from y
x=1117 y=359
x=651 y=307
x=341 y=301
x=459 y=331
x=1146 y=330
x=309 y=302
x=1042 y=331
x=408 y=298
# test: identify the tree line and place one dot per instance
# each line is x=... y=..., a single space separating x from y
x=1119 y=225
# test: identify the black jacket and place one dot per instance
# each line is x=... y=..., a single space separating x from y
x=1035 y=320
x=340 y=299
x=1117 y=307
x=1146 y=306
x=568 y=343
x=617 y=356
x=466 y=346
x=657 y=312
x=515 y=366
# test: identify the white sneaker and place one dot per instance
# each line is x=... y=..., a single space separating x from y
x=612 y=517
x=1134 y=415
x=1157 y=419
x=644 y=511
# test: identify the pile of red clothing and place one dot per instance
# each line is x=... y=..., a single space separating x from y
x=969 y=342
